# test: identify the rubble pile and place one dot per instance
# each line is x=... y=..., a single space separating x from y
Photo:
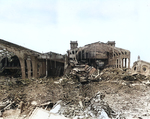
x=114 y=73
x=84 y=73
x=120 y=94
x=77 y=99
x=25 y=94
x=96 y=108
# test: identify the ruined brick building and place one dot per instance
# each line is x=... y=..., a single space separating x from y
x=18 y=61
x=141 y=67
x=99 y=55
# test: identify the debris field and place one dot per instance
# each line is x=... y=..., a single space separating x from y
x=83 y=92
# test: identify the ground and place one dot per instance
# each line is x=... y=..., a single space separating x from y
x=126 y=95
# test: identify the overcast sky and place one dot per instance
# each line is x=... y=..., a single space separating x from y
x=50 y=25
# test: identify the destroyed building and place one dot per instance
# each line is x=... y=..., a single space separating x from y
x=99 y=55
x=141 y=67
x=18 y=61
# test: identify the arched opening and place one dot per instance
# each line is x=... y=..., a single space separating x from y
x=72 y=52
x=10 y=66
x=134 y=68
x=26 y=70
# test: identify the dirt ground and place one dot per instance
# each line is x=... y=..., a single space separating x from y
x=127 y=95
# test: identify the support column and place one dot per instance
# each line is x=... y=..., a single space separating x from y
x=55 y=64
x=122 y=63
x=43 y=67
x=40 y=69
x=34 y=66
x=85 y=57
x=128 y=62
x=81 y=54
x=46 y=69
x=22 y=63
x=29 y=67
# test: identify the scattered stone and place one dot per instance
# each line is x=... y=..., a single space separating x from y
x=11 y=114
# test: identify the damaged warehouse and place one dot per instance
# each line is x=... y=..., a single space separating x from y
x=19 y=61
x=99 y=54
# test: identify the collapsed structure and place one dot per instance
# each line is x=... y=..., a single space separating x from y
x=17 y=61
x=99 y=55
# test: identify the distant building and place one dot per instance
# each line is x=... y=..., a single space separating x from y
x=141 y=67
x=99 y=55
